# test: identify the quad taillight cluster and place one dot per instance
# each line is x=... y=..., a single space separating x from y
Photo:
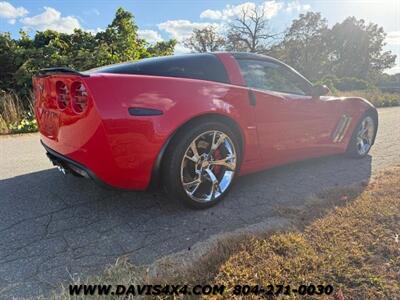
x=76 y=96
x=63 y=97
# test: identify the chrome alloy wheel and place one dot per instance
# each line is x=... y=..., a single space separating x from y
x=208 y=166
x=365 y=135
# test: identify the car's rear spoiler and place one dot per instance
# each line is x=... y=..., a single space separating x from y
x=60 y=70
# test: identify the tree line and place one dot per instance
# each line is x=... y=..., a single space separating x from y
x=349 y=55
x=21 y=58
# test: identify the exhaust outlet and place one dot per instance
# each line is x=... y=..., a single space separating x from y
x=62 y=170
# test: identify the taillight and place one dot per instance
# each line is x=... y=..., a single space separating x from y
x=62 y=94
x=79 y=97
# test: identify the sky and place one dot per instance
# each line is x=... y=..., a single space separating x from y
x=161 y=20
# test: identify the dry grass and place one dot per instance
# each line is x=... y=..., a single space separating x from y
x=11 y=110
x=14 y=113
x=120 y=273
x=355 y=247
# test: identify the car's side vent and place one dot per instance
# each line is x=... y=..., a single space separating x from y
x=138 y=111
x=341 y=129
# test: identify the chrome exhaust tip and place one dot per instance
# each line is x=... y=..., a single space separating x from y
x=62 y=170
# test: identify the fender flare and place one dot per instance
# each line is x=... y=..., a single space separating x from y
x=155 y=180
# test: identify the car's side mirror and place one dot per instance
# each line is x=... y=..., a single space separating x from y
x=319 y=90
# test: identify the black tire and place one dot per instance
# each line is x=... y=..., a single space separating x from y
x=173 y=159
x=353 y=149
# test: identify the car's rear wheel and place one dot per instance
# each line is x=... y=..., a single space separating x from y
x=201 y=164
x=363 y=137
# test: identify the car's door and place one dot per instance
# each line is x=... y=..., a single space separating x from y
x=291 y=124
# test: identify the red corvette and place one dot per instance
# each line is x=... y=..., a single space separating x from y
x=192 y=123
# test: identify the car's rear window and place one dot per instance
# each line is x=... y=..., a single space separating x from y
x=196 y=66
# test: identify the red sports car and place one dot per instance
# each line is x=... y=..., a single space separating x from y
x=193 y=123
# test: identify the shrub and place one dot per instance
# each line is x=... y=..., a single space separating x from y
x=346 y=83
x=27 y=124
x=375 y=96
x=351 y=83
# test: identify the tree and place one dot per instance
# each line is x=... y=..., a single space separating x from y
x=356 y=49
x=8 y=60
x=21 y=58
x=304 y=45
x=205 y=40
x=249 y=31
x=121 y=38
x=162 y=48
x=84 y=51
x=349 y=49
x=48 y=48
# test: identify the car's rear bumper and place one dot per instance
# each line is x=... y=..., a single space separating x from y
x=66 y=164
x=97 y=159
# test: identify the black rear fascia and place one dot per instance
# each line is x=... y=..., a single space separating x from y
x=203 y=66
x=59 y=159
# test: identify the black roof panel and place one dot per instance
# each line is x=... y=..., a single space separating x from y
x=203 y=66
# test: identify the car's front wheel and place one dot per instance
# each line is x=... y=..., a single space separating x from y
x=201 y=164
x=363 y=137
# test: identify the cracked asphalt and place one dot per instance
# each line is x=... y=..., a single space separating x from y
x=55 y=227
